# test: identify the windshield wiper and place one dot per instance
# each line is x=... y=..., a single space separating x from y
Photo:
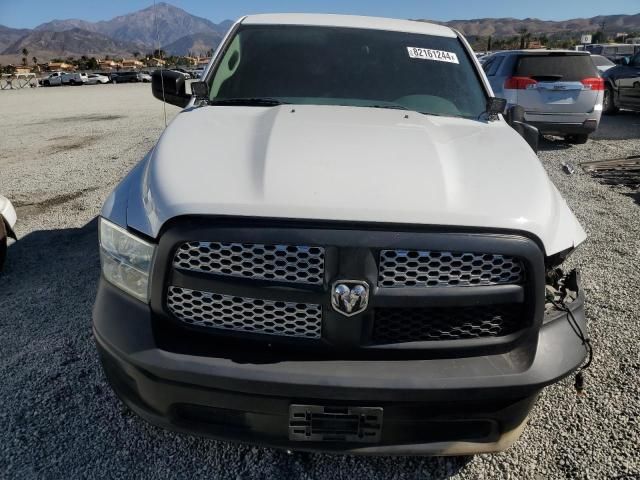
x=392 y=106
x=250 y=102
x=395 y=106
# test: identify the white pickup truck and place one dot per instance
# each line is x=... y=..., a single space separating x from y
x=74 y=78
x=340 y=244
x=53 y=79
x=8 y=220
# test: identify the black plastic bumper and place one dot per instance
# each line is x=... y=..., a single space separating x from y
x=554 y=128
x=437 y=406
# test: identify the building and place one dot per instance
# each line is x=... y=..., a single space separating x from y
x=190 y=60
x=535 y=44
x=60 y=66
x=132 y=64
x=155 y=62
x=21 y=69
x=109 y=65
x=204 y=61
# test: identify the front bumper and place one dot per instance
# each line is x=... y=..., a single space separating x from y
x=437 y=406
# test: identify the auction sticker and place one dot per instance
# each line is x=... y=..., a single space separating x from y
x=436 y=55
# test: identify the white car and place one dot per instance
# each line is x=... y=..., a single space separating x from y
x=184 y=73
x=560 y=90
x=73 y=78
x=95 y=78
x=54 y=78
x=344 y=246
x=144 y=77
x=8 y=220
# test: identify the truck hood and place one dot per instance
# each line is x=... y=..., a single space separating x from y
x=348 y=164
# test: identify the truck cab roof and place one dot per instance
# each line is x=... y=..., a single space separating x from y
x=350 y=21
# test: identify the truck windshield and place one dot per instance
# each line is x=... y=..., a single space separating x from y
x=346 y=66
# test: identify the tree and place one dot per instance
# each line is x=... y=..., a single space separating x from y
x=25 y=52
x=524 y=35
x=34 y=60
x=158 y=53
x=136 y=55
x=92 y=63
x=24 y=61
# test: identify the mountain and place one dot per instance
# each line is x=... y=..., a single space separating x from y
x=9 y=35
x=140 y=27
x=74 y=42
x=179 y=32
x=62 y=25
x=507 y=27
x=197 y=44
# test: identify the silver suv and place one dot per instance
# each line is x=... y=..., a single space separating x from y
x=560 y=90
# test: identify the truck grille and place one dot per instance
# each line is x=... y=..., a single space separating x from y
x=283 y=263
x=424 y=268
x=398 y=325
x=243 y=314
x=274 y=281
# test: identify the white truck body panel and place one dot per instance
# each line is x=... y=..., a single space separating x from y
x=349 y=21
x=349 y=164
x=8 y=212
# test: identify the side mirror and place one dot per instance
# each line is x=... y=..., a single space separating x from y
x=200 y=89
x=169 y=86
x=496 y=106
x=515 y=118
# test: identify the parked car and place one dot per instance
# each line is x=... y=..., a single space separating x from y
x=186 y=74
x=342 y=246
x=73 y=78
x=560 y=90
x=126 y=77
x=602 y=63
x=144 y=77
x=54 y=78
x=8 y=220
x=197 y=72
x=95 y=78
x=622 y=86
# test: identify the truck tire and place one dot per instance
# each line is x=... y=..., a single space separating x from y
x=608 y=102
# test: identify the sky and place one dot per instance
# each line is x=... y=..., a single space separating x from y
x=29 y=13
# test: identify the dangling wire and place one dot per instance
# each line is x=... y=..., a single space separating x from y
x=155 y=21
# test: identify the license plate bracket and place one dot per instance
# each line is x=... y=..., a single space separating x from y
x=316 y=423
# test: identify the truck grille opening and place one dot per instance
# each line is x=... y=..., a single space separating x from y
x=400 y=325
x=217 y=311
x=425 y=268
x=281 y=263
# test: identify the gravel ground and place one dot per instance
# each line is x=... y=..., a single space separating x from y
x=63 y=149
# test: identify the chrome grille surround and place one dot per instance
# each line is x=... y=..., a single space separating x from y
x=424 y=268
x=281 y=263
x=399 y=325
x=227 y=312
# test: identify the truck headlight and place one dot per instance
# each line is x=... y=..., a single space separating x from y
x=126 y=260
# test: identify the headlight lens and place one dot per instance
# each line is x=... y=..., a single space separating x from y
x=126 y=260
